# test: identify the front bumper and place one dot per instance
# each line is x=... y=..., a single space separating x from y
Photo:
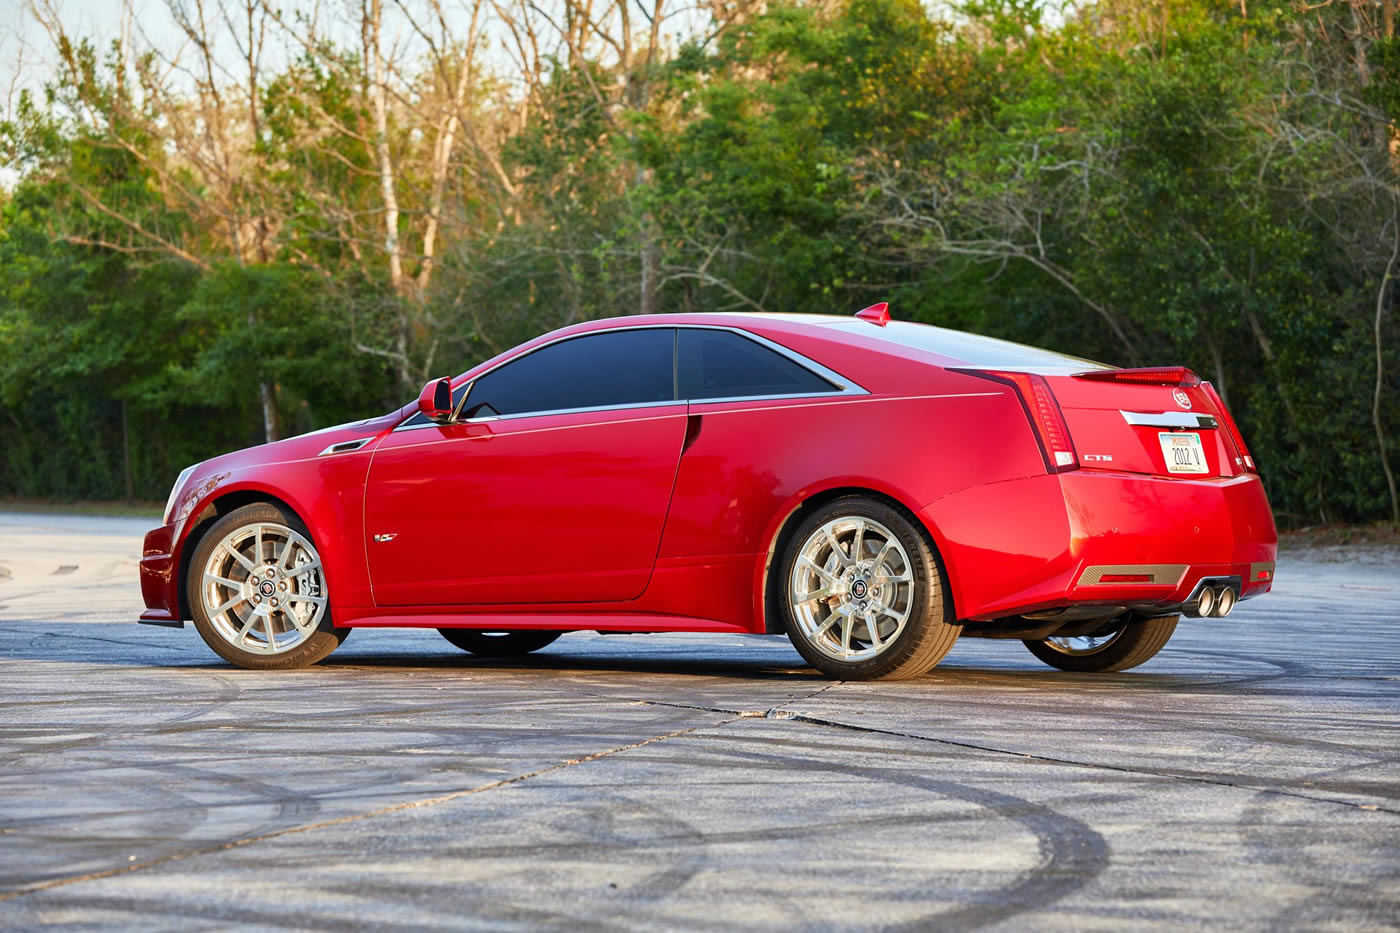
x=1073 y=539
x=160 y=587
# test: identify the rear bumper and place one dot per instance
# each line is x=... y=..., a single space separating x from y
x=1047 y=542
x=160 y=588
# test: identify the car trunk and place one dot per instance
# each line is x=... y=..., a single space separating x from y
x=1141 y=427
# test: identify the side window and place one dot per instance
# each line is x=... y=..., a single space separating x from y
x=722 y=364
x=627 y=367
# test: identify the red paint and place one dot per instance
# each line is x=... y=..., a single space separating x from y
x=662 y=518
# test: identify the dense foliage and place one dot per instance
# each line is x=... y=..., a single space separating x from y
x=184 y=270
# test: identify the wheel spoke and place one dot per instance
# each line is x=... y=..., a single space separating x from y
x=238 y=598
x=858 y=542
x=819 y=571
x=267 y=630
x=846 y=637
x=884 y=580
x=239 y=556
x=222 y=581
x=872 y=626
x=247 y=626
x=841 y=558
x=305 y=568
x=823 y=593
x=304 y=626
x=286 y=554
x=882 y=609
x=257 y=544
x=826 y=625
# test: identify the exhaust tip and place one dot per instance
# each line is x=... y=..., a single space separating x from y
x=1205 y=603
x=1224 y=601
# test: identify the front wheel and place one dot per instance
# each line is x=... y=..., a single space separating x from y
x=257 y=591
x=498 y=644
x=1131 y=644
x=864 y=593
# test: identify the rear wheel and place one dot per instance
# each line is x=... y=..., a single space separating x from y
x=864 y=593
x=257 y=591
x=498 y=644
x=1131 y=644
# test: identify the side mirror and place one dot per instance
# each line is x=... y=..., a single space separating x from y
x=435 y=401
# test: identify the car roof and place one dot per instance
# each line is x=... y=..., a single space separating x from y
x=940 y=345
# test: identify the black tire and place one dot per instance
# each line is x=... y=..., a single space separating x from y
x=1135 y=643
x=929 y=632
x=498 y=644
x=309 y=649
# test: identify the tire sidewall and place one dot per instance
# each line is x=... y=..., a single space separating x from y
x=322 y=642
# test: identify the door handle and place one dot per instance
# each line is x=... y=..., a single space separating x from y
x=692 y=431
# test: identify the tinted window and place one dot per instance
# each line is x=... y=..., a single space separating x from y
x=628 y=367
x=721 y=364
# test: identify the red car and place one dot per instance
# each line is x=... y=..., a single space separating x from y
x=872 y=488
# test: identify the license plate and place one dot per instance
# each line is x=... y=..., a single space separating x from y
x=1183 y=453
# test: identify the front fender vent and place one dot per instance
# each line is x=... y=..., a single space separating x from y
x=345 y=447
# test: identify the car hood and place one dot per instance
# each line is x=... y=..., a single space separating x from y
x=303 y=446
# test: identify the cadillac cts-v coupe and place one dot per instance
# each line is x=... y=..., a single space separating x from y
x=872 y=488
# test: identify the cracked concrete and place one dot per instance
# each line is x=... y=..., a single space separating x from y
x=1247 y=778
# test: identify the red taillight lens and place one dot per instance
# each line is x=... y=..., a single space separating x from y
x=1045 y=416
x=1152 y=375
x=1231 y=428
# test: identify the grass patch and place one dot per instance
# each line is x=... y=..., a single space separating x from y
x=1380 y=534
x=154 y=510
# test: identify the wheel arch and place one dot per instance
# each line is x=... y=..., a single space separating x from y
x=211 y=510
x=770 y=602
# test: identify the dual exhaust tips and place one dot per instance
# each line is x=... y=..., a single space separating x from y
x=1213 y=602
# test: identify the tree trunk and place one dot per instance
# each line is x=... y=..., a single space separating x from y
x=650 y=255
x=126 y=453
x=1382 y=305
x=269 y=411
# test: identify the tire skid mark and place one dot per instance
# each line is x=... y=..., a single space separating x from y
x=413 y=894
x=1073 y=853
x=432 y=801
x=231 y=692
x=1371 y=900
x=146 y=914
x=1175 y=774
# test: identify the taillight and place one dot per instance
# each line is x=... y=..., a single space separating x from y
x=1230 y=427
x=1048 y=422
x=1151 y=375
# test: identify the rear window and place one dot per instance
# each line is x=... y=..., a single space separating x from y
x=720 y=364
x=970 y=349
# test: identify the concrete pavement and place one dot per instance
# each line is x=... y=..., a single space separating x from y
x=1246 y=778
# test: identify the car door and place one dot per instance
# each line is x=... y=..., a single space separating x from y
x=553 y=488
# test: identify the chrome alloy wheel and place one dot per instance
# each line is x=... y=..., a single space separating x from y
x=263 y=588
x=852 y=588
x=1083 y=644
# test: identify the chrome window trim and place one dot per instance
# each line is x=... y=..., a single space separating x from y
x=1168 y=419
x=844 y=387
